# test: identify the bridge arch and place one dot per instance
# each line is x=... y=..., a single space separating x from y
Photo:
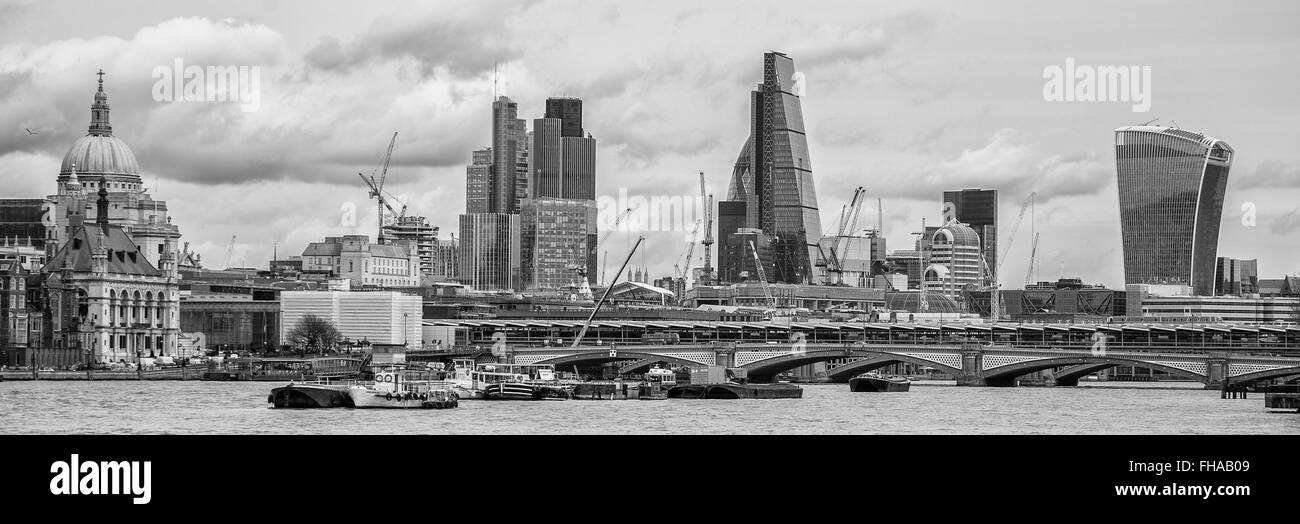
x=767 y=368
x=1006 y=375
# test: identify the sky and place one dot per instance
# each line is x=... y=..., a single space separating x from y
x=905 y=99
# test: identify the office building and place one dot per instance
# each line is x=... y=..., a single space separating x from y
x=954 y=260
x=1171 y=189
x=554 y=242
x=377 y=317
x=772 y=178
x=1236 y=277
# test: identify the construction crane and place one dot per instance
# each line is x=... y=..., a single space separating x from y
x=230 y=251
x=586 y=325
x=762 y=277
x=848 y=226
x=377 y=188
x=995 y=299
x=683 y=267
x=707 y=273
x=1033 y=255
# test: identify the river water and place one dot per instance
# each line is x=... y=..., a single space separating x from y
x=197 y=407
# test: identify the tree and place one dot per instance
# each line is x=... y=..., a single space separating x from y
x=314 y=334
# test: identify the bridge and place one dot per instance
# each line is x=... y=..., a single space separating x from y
x=972 y=364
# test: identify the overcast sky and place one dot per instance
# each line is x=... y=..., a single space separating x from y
x=904 y=98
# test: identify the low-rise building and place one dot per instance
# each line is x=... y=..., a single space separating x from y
x=378 y=317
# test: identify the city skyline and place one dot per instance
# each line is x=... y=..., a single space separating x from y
x=915 y=132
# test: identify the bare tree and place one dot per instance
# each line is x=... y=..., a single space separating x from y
x=314 y=334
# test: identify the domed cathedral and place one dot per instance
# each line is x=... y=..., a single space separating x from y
x=111 y=287
x=97 y=160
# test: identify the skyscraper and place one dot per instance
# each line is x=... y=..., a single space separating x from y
x=508 y=135
x=977 y=208
x=1171 y=188
x=773 y=174
x=563 y=177
x=478 y=182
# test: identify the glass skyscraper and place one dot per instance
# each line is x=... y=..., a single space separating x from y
x=773 y=176
x=1171 y=188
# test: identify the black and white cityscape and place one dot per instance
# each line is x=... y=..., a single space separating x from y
x=836 y=217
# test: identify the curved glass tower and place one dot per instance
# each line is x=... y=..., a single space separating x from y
x=1171 y=187
x=773 y=176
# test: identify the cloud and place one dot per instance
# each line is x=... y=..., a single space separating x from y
x=1286 y=224
x=1270 y=173
x=465 y=41
x=860 y=42
x=1010 y=163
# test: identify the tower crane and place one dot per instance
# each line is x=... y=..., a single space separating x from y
x=848 y=225
x=762 y=277
x=1033 y=255
x=707 y=273
x=230 y=251
x=995 y=299
x=377 y=188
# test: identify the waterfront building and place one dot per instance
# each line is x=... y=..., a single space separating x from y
x=103 y=299
x=554 y=242
x=415 y=235
x=232 y=318
x=363 y=263
x=977 y=208
x=954 y=260
x=1193 y=308
x=377 y=317
x=1171 y=190
x=772 y=179
x=1236 y=277
x=99 y=158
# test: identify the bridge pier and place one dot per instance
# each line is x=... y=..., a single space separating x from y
x=972 y=370
x=1216 y=371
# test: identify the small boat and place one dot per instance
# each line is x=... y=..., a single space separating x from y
x=657 y=383
x=394 y=389
x=871 y=382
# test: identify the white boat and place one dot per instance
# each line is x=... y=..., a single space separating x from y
x=661 y=376
x=393 y=389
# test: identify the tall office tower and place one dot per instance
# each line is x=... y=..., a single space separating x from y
x=977 y=208
x=569 y=112
x=523 y=168
x=563 y=167
x=1171 y=187
x=773 y=176
x=508 y=135
x=478 y=182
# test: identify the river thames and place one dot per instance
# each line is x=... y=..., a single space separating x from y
x=197 y=407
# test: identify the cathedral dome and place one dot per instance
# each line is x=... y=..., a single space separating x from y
x=100 y=155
